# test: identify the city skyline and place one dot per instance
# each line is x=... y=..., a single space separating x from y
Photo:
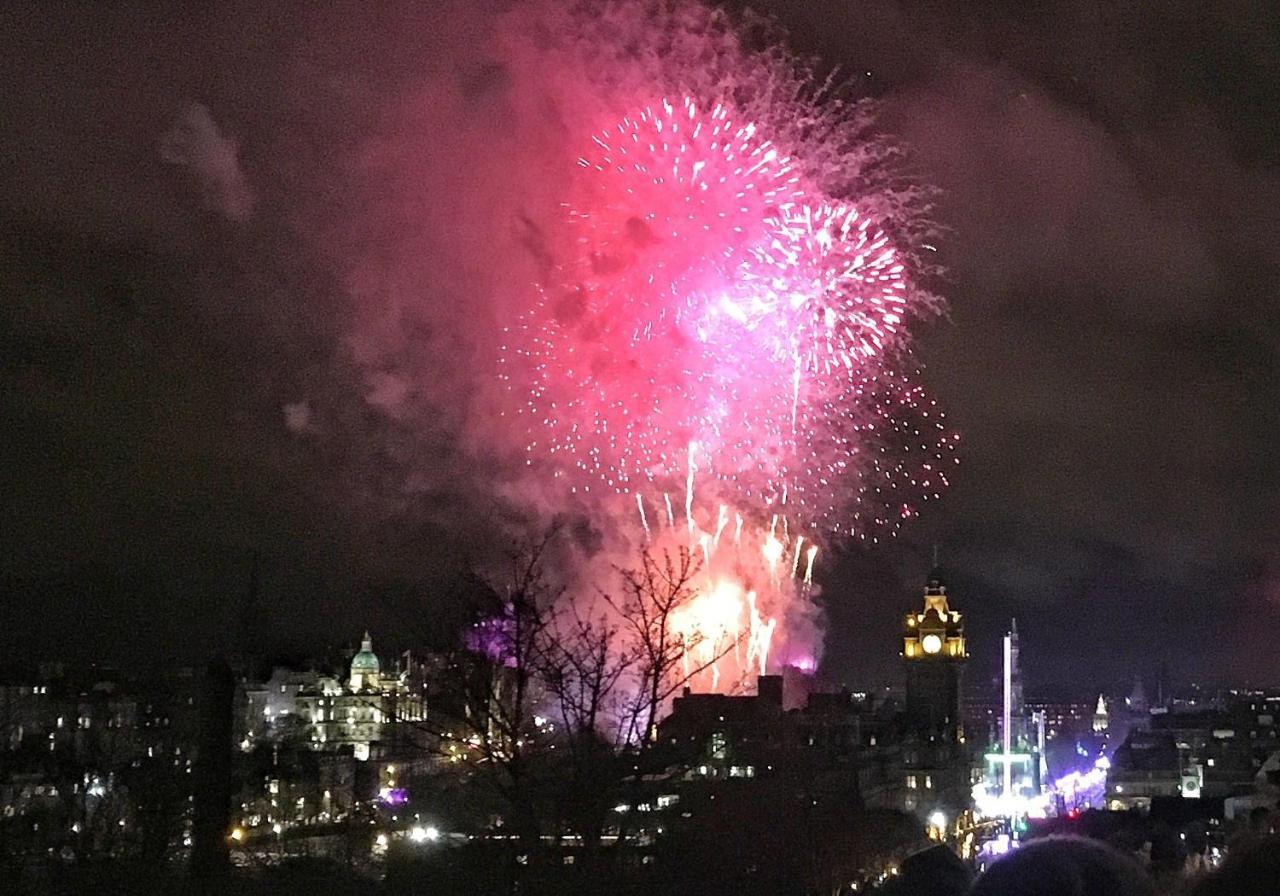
x=780 y=447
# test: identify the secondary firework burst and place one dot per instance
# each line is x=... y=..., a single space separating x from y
x=753 y=581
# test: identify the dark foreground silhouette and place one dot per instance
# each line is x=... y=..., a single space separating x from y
x=1251 y=869
x=1076 y=866
x=1065 y=866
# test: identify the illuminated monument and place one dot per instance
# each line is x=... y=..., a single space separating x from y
x=935 y=759
x=1018 y=764
x=365 y=669
x=934 y=652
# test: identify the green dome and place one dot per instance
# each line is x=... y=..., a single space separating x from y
x=366 y=661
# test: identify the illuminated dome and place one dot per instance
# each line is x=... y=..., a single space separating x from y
x=364 y=665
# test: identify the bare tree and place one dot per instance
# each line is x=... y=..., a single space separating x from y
x=495 y=680
x=649 y=605
x=553 y=705
x=651 y=601
x=584 y=666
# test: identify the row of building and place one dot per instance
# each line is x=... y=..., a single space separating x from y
x=1225 y=753
x=870 y=751
x=314 y=746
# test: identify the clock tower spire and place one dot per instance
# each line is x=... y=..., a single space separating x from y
x=934 y=652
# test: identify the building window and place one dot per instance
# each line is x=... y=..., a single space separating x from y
x=928 y=782
x=911 y=782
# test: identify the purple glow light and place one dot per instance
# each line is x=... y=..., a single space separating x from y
x=393 y=796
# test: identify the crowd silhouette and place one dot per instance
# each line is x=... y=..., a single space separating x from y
x=1131 y=862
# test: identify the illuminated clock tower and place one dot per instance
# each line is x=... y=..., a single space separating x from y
x=934 y=651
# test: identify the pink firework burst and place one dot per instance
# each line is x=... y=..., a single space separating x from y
x=713 y=295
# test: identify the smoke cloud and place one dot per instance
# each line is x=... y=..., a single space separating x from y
x=386 y=188
x=195 y=142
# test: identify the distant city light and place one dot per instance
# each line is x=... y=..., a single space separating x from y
x=420 y=834
x=393 y=796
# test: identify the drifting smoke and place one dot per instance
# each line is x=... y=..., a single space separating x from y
x=197 y=143
x=702 y=342
x=297 y=417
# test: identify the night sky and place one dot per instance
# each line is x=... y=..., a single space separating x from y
x=199 y=210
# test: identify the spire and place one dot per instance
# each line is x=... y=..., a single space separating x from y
x=367 y=642
x=936 y=579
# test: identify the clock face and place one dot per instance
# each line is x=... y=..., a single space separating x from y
x=931 y=643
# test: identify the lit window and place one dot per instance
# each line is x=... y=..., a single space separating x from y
x=928 y=782
x=911 y=782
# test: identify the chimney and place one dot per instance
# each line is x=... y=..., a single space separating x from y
x=769 y=689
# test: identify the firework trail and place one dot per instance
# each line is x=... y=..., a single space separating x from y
x=728 y=316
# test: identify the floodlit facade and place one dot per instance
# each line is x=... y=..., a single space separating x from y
x=934 y=651
x=365 y=709
x=936 y=765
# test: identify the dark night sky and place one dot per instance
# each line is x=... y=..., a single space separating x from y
x=181 y=388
